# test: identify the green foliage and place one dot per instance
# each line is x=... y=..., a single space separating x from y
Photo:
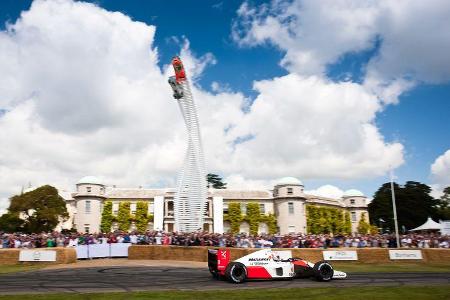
x=414 y=205
x=123 y=216
x=216 y=181
x=326 y=220
x=443 y=206
x=234 y=216
x=42 y=209
x=253 y=217
x=363 y=226
x=271 y=222
x=347 y=223
x=107 y=217
x=10 y=222
x=142 y=218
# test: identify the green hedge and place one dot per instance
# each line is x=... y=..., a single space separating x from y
x=321 y=219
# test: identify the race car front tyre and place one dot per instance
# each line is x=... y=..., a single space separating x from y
x=236 y=272
x=323 y=271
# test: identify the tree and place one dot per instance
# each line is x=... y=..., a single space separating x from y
x=363 y=226
x=10 y=222
x=39 y=210
x=216 y=181
x=443 y=206
x=142 y=218
x=414 y=205
x=107 y=217
x=123 y=216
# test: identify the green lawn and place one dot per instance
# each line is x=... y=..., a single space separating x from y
x=372 y=293
x=5 y=269
x=397 y=267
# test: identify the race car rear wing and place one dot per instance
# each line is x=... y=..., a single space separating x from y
x=218 y=260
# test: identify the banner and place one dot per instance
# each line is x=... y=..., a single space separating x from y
x=340 y=255
x=405 y=254
x=37 y=255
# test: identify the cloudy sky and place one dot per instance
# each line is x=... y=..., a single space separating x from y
x=334 y=93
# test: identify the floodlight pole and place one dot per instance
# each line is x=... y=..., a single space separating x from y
x=394 y=208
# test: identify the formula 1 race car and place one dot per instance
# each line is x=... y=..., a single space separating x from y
x=267 y=264
x=180 y=74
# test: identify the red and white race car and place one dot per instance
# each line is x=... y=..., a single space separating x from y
x=268 y=264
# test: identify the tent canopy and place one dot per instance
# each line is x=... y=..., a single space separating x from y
x=428 y=225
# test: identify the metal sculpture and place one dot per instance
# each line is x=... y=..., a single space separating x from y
x=191 y=194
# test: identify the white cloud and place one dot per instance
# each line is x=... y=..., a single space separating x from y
x=414 y=39
x=85 y=95
x=440 y=172
x=328 y=190
x=312 y=128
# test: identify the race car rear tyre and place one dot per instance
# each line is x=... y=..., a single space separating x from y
x=323 y=271
x=236 y=272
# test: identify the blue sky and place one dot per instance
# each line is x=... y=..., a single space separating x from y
x=419 y=121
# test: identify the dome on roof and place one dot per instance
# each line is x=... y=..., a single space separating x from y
x=289 y=181
x=353 y=193
x=89 y=180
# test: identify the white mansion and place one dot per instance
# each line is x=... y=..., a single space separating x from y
x=286 y=202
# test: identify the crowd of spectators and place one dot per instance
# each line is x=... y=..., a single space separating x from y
x=55 y=239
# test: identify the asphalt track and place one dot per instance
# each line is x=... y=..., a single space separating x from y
x=119 y=279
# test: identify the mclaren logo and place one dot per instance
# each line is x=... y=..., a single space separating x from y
x=258 y=259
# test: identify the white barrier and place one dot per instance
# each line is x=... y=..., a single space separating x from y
x=82 y=251
x=102 y=250
x=119 y=250
x=98 y=250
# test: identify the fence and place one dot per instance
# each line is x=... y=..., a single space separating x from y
x=102 y=250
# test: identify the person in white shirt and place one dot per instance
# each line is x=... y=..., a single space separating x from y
x=133 y=239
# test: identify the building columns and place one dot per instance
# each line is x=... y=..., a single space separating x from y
x=217 y=204
x=158 y=214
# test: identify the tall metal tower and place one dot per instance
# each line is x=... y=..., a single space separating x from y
x=191 y=194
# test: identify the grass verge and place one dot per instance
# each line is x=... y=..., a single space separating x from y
x=374 y=293
x=397 y=267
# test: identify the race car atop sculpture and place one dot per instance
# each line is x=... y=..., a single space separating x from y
x=180 y=74
x=268 y=264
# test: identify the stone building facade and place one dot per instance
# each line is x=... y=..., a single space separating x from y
x=286 y=201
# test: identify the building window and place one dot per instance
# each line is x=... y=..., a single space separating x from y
x=170 y=208
x=352 y=201
x=133 y=208
x=115 y=209
x=86 y=228
x=353 y=216
x=290 y=191
x=151 y=208
x=262 y=208
x=88 y=189
x=243 y=208
x=225 y=208
x=291 y=229
x=87 y=206
x=291 y=208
